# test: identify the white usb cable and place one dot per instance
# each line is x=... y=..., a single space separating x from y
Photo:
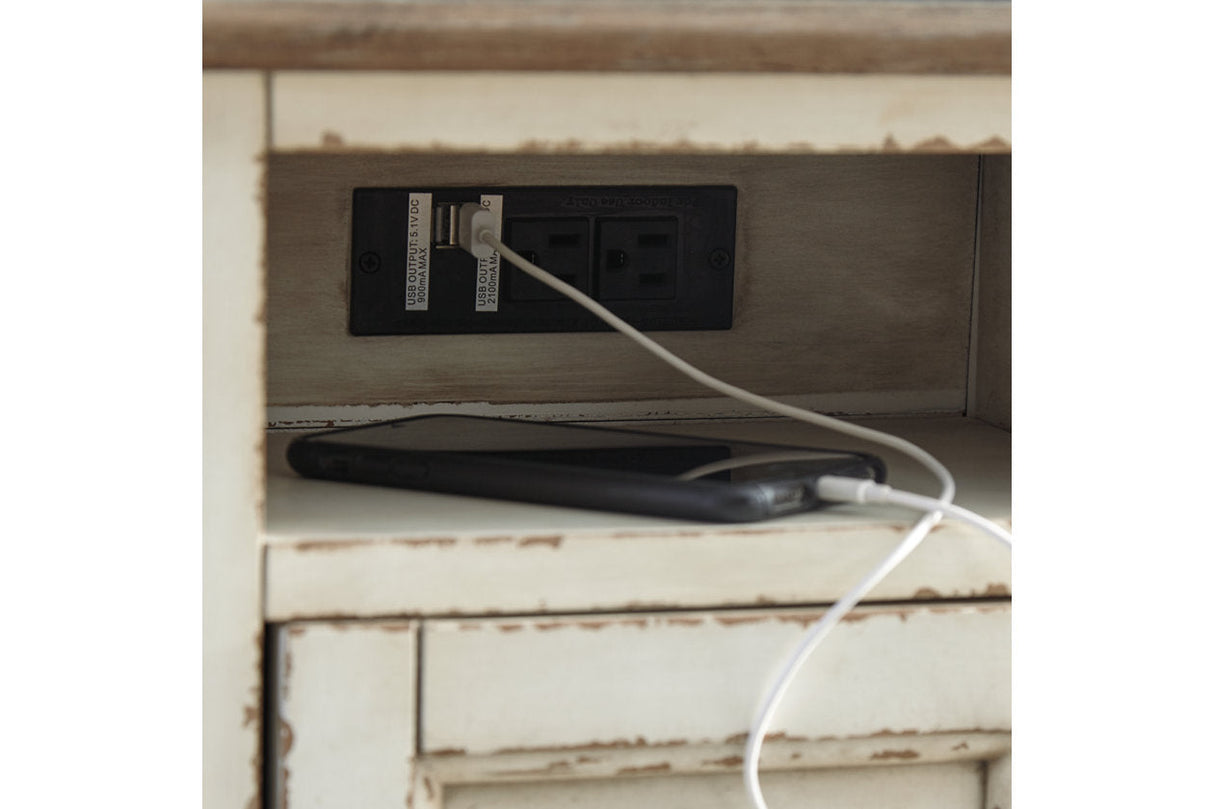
x=858 y=490
x=478 y=238
x=478 y=235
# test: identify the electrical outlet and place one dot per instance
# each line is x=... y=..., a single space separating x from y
x=560 y=246
x=660 y=257
x=637 y=259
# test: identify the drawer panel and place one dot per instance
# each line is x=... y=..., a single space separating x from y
x=344 y=711
x=505 y=685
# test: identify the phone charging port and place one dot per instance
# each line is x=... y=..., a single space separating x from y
x=786 y=497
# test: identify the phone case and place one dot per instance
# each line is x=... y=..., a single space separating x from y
x=323 y=456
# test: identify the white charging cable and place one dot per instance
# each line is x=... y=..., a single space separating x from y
x=478 y=235
x=837 y=489
x=858 y=490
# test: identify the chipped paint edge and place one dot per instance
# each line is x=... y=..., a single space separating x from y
x=292 y=716
x=235 y=140
x=885 y=403
x=695 y=618
x=640 y=113
x=638 y=758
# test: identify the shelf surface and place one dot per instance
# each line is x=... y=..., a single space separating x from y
x=347 y=550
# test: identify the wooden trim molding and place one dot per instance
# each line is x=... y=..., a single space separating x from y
x=234 y=140
x=830 y=36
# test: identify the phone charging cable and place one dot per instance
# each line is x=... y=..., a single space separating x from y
x=478 y=236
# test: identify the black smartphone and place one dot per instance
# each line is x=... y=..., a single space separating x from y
x=580 y=466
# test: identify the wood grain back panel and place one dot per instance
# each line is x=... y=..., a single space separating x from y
x=991 y=396
x=854 y=274
x=839 y=36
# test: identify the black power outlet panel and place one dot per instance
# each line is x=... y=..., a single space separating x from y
x=660 y=257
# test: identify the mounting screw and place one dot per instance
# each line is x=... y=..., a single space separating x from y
x=368 y=262
x=719 y=259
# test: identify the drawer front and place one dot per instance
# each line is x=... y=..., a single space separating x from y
x=901 y=706
x=344 y=709
x=510 y=685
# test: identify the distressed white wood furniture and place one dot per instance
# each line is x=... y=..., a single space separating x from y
x=903 y=707
x=552 y=648
x=367 y=647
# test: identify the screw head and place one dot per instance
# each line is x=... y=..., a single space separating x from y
x=719 y=259
x=368 y=262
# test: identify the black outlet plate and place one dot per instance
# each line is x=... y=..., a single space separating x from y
x=660 y=257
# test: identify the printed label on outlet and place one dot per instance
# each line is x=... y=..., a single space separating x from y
x=488 y=270
x=417 y=262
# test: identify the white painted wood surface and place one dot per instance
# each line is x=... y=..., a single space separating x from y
x=346 y=715
x=344 y=707
x=341 y=550
x=670 y=679
x=625 y=758
x=335 y=549
x=932 y=786
x=999 y=783
x=233 y=142
x=637 y=112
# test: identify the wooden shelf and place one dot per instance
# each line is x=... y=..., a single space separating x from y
x=829 y=36
x=345 y=550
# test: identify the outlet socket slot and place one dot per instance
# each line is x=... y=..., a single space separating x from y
x=560 y=246
x=638 y=259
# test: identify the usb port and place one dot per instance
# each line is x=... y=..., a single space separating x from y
x=446 y=224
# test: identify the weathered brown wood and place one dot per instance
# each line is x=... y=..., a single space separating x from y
x=858 y=36
x=854 y=274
